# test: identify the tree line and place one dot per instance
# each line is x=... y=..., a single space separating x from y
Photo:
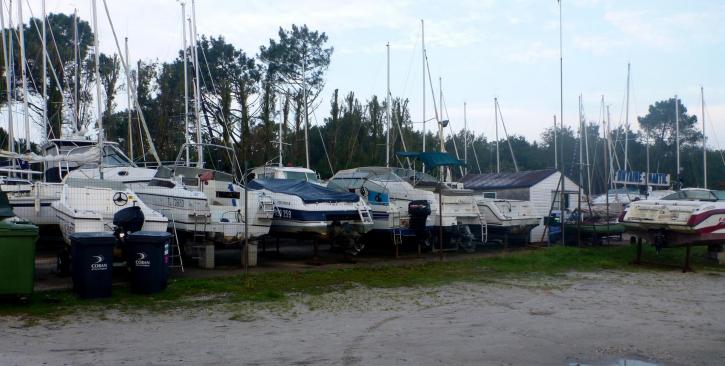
x=244 y=96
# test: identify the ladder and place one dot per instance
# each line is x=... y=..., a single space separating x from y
x=484 y=225
x=176 y=248
x=364 y=214
x=397 y=231
x=198 y=235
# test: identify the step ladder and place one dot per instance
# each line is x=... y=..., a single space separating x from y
x=198 y=235
x=175 y=249
x=484 y=226
x=397 y=231
x=364 y=214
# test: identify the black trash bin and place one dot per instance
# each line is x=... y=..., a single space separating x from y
x=147 y=254
x=92 y=263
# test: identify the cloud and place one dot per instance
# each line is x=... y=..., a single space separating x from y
x=598 y=45
x=529 y=53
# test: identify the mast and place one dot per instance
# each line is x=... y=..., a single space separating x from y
x=45 y=76
x=186 y=82
x=197 y=89
x=279 y=137
x=495 y=112
x=586 y=154
x=465 y=139
x=440 y=108
x=76 y=69
x=556 y=155
x=581 y=167
x=704 y=139
x=304 y=100
x=609 y=146
x=387 y=112
x=422 y=48
x=626 y=125
x=23 y=73
x=562 y=200
x=677 y=134
x=97 y=72
x=7 y=50
x=128 y=109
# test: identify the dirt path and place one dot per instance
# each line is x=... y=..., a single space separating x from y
x=665 y=318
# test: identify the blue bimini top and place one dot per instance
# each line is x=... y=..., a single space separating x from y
x=308 y=192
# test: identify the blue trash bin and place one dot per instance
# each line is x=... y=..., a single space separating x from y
x=92 y=263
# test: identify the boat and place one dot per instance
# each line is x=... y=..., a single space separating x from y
x=694 y=216
x=506 y=219
x=390 y=198
x=206 y=203
x=89 y=205
x=286 y=172
x=304 y=210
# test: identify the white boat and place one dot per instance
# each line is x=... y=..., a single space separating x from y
x=286 y=172
x=89 y=205
x=507 y=218
x=207 y=204
x=688 y=216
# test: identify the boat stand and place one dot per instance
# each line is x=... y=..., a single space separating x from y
x=688 y=256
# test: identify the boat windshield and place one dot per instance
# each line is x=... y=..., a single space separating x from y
x=307 y=176
x=695 y=195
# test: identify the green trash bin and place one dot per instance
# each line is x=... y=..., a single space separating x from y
x=17 y=258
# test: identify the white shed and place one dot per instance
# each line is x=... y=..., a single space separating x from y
x=540 y=187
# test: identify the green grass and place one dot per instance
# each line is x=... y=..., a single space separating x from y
x=273 y=287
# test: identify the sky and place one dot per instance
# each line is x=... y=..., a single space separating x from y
x=481 y=50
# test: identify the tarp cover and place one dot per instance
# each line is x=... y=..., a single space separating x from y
x=432 y=159
x=308 y=192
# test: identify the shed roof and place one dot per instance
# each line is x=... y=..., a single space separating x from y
x=524 y=179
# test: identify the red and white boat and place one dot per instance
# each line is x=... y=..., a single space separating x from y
x=689 y=216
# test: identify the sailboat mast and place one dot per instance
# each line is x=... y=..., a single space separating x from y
x=279 y=135
x=304 y=101
x=387 y=111
x=556 y=154
x=609 y=146
x=677 y=135
x=626 y=124
x=76 y=72
x=129 y=108
x=704 y=139
x=562 y=200
x=186 y=82
x=45 y=76
x=586 y=155
x=495 y=112
x=422 y=47
x=197 y=88
x=8 y=76
x=23 y=73
x=96 y=70
x=440 y=108
x=465 y=139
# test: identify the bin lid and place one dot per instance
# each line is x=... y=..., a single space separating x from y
x=148 y=237
x=10 y=228
x=93 y=238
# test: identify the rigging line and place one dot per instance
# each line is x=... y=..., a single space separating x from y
x=453 y=135
x=508 y=140
x=322 y=140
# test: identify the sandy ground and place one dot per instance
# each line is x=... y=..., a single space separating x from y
x=597 y=318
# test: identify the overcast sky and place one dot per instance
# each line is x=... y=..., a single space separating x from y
x=481 y=48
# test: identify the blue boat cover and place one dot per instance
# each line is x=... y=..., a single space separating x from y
x=308 y=192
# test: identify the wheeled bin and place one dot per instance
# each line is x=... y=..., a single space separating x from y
x=147 y=254
x=17 y=258
x=92 y=263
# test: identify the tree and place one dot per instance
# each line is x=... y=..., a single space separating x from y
x=659 y=123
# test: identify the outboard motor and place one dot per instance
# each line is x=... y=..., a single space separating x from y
x=419 y=211
x=127 y=220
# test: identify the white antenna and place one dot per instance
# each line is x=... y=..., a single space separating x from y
x=186 y=82
x=8 y=76
x=197 y=97
x=704 y=139
x=128 y=109
x=98 y=87
x=23 y=73
x=387 y=112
